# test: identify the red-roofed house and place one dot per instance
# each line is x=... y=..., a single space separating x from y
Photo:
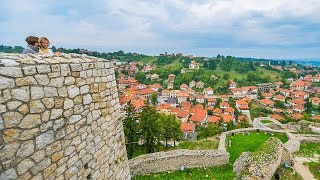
x=276 y=117
x=165 y=93
x=299 y=85
x=146 y=93
x=232 y=84
x=213 y=119
x=299 y=95
x=298 y=108
x=198 y=106
x=184 y=87
x=200 y=85
x=285 y=92
x=267 y=102
x=182 y=97
x=227 y=118
x=192 y=84
x=211 y=102
x=217 y=112
x=316 y=117
x=229 y=111
x=132 y=82
x=224 y=98
x=208 y=91
x=242 y=105
x=138 y=103
x=224 y=105
x=267 y=95
x=278 y=84
x=197 y=118
x=183 y=115
x=171 y=77
x=188 y=127
x=297 y=116
x=279 y=98
x=315 y=101
x=155 y=87
x=200 y=98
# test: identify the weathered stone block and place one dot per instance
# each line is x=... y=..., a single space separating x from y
x=41 y=166
x=36 y=106
x=75 y=118
x=50 y=91
x=10 y=135
x=56 y=82
x=69 y=80
x=12 y=105
x=44 y=139
x=73 y=91
x=26 y=81
x=29 y=70
x=87 y=99
x=11 y=71
x=30 y=121
x=21 y=94
x=37 y=93
x=48 y=102
x=11 y=119
x=9 y=174
x=43 y=69
x=38 y=156
x=24 y=166
x=42 y=79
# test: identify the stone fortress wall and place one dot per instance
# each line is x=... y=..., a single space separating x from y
x=60 y=119
x=173 y=160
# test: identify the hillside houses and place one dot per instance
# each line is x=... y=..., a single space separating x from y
x=195 y=103
x=193 y=65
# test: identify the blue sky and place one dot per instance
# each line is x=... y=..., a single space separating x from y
x=279 y=29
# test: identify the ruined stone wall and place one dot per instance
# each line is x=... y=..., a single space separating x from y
x=59 y=118
x=173 y=160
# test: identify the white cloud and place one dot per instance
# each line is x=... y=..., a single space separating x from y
x=151 y=25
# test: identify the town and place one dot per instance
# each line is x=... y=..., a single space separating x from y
x=197 y=103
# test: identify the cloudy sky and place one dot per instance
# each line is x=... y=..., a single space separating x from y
x=281 y=29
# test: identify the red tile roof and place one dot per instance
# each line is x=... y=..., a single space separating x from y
x=213 y=119
x=227 y=118
x=187 y=127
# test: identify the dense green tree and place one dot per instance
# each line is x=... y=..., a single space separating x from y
x=226 y=64
x=130 y=127
x=170 y=127
x=150 y=127
x=210 y=64
x=154 y=98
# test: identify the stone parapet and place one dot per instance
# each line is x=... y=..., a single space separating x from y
x=173 y=160
x=59 y=118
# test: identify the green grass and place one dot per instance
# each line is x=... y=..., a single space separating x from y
x=289 y=174
x=308 y=149
x=266 y=121
x=218 y=173
x=198 y=145
x=249 y=143
x=314 y=168
x=275 y=76
x=148 y=59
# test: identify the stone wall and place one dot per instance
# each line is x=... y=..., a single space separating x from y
x=173 y=160
x=261 y=164
x=59 y=118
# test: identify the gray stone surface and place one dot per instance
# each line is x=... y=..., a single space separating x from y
x=45 y=131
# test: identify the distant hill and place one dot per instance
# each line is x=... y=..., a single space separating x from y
x=128 y=57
